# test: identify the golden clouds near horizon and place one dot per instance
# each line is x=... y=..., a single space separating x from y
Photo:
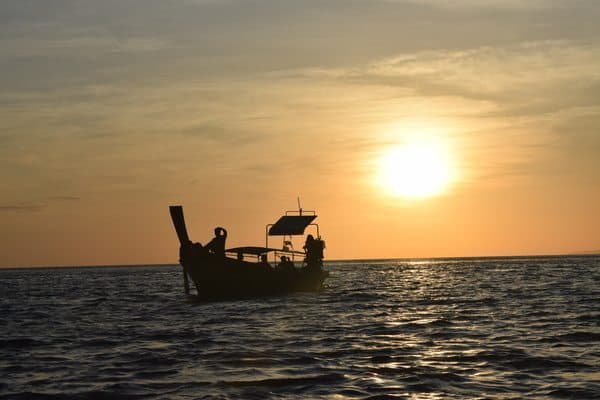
x=419 y=168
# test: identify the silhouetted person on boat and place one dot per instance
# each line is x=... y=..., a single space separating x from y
x=314 y=252
x=264 y=263
x=309 y=249
x=217 y=244
x=286 y=264
x=309 y=240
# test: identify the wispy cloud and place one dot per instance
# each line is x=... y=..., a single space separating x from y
x=481 y=4
x=37 y=205
x=21 y=208
x=48 y=47
x=522 y=74
x=63 y=198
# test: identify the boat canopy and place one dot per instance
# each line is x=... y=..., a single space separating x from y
x=291 y=225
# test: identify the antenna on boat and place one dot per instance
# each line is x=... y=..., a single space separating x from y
x=299 y=207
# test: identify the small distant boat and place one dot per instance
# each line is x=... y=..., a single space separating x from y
x=246 y=272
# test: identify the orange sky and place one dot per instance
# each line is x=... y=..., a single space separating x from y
x=112 y=111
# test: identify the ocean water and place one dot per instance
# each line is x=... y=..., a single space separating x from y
x=438 y=329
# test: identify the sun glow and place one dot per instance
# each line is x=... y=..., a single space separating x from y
x=416 y=169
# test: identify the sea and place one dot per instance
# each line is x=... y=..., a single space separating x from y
x=487 y=328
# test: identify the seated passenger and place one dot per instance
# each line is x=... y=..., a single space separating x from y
x=217 y=244
x=264 y=264
x=281 y=262
x=286 y=264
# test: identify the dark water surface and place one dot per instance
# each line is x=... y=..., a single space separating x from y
x=478 y=328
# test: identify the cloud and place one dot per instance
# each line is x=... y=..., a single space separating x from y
x=86 y=42
x=67 y=47
x=21 y=208
x=35 y=206
x=522 y=102
x=479 y=4
x=520 y=79
x=222 y=135
x=156 y=91
x=63 y=198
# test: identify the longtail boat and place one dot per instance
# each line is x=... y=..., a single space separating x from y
x=252 y=271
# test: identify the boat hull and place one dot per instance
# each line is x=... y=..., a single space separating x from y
x=220 y=278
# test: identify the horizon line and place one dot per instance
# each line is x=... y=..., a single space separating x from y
x=443 y=258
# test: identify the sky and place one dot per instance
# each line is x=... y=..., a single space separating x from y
x=113 y=110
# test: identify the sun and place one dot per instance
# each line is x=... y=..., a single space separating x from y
x=415 y=170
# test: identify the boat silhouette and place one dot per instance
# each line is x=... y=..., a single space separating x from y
x=245 y=272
